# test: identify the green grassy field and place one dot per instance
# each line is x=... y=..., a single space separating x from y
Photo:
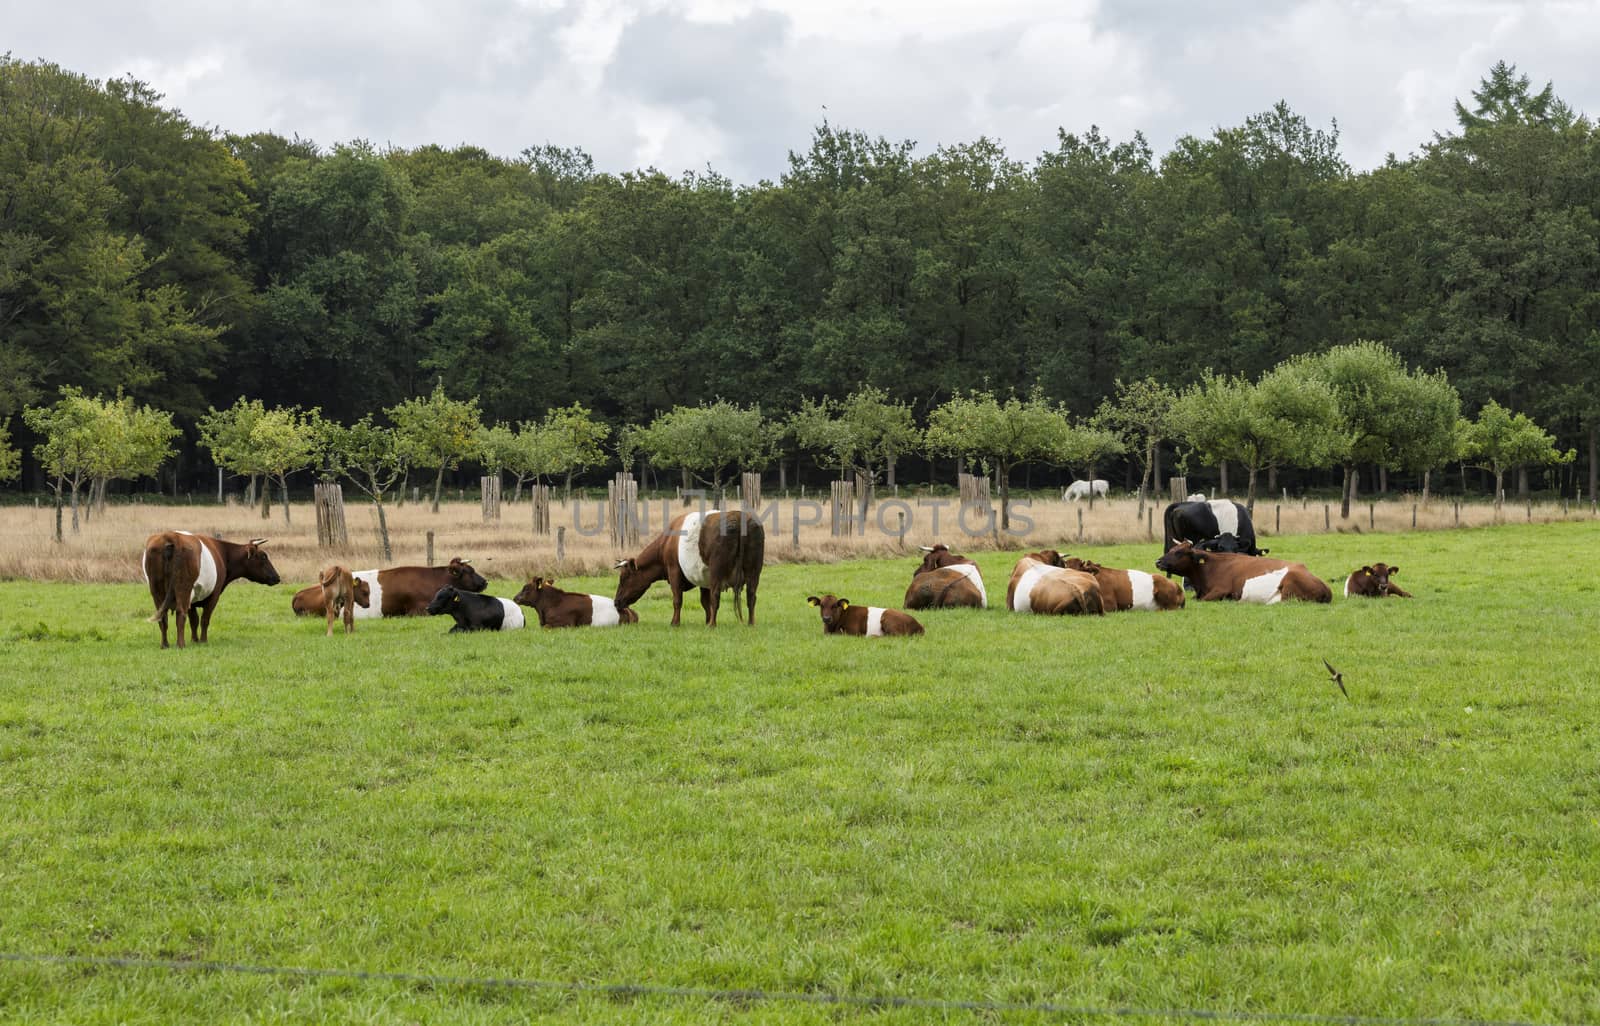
x=1152 y=810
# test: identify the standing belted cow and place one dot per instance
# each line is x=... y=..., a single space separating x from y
x=1231 y=575
x=188 y=572
x=944 y=581
x=711 y=551
x=1041 y=584
x=1202 y=520
x=399 y=590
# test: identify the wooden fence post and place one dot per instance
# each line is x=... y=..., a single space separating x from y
x=841 y=511
x=1150 y=522
x=750 y=492
x=429 y=561
x=1277 y=519
x=561 y=544
x=1458 y=512
x=1372 y=516
x=1080 y=525
x=1327 y=518
x=1413 y=516
x=540 y=496
x=327 y=502
x=622 y=502
x=490 y=487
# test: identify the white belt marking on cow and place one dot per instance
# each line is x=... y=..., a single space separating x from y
x=689 y=560
x=976 y=578
x=874 y=622
x=603 y=612
x=204 y=584
x=1021 y=597
x=1227 y=515
x=513 y=619
x=1347 y=586
x=1264 y=588
x=374 y=609
x=1144 y=589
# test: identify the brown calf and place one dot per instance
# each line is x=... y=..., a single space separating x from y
x=1040 y=583
x=1129 y=589
x=188 y=572
x=1233 y=575
x=1373 y=582
x=557 y=608
x=342 y=593
x=840 y=617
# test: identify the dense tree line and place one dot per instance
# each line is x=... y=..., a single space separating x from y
x=146 y=256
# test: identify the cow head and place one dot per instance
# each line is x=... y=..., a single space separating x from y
x=832 y=608
x=934 y=557
x=1049 y=557
x=632 y=582
x=463 y=576
x=1085 y=565
x=1182 y=559
x=529 y=595
x=256 y=566
x=363 y=590
x=444 y=600
x=1380 y=574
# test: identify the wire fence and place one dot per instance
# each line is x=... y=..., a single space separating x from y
x=746 y=995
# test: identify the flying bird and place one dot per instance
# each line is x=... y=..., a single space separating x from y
x=1336 y=677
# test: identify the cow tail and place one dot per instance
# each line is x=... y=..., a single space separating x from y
x=736 y=581
x=169 y=601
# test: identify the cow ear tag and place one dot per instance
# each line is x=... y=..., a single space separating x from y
x=844 y=603
x=1202 y=561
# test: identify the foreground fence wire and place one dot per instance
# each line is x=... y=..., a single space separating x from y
x=743 y=996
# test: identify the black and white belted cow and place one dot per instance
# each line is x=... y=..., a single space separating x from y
x=1200 y=521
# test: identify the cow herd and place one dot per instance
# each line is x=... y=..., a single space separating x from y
x=1211 y=545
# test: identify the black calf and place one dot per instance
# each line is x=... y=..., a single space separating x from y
x=471 y=612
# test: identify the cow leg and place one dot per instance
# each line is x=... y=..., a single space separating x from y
x=205 y=618
x=708 y=602
x=677 y=599
x=750 y=602
x=164 y=630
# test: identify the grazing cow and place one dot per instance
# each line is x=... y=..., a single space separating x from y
x=1231 y=575
x=1082 y=489
x=557 y=608
x=1129 y=589
x=343 y=593
x=945 y=581
x=399 y=590
x=1373 y=582
x=1200 y=521
x=840 y=617
x=474 y=612
x=188 y=572
x=1040 y=583
x=710 y=551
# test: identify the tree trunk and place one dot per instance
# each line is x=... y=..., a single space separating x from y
x=783 y=476
x=75 y=487
x=250 y=492
x=1383 y=480
x=1427 y=482
x=1594 y=459
x=1003 y=472
x=60 y=484
x=1272 y=479
x=1250 y=491
x=889 y=476
x=1222 y=469
x=438 y=483
x=283 y=489
x=1522 y=482
x=266 y=497
x=568 y=498
x=1347 y=492
x=1499 y=486
x=383 y=532
x=1155 y=469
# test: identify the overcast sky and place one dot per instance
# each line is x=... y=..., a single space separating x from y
x=736 y=84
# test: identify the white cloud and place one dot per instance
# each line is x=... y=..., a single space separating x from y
x=738 y=83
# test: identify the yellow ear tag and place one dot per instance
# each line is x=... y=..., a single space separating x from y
x=845 y=604
x=1202 y=561
x=1367 y=572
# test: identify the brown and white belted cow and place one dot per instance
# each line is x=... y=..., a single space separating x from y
x=399 y=590
x=710 y=551
x=1373 y=582
x=188 y=572
x=1041 y=584
x=1216 y=576
x=945 y=580
x=557 y=608
x=1129 y=589
x=839 y=616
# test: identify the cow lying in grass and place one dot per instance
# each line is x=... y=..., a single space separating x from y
x=1373 y=582
x=945 y=580
x=1216 y=576
x=399 y=590
x=1040 y=583
x=557 y=608
x=840 y=617
x=474 y=612
x=1129 y=589
x=341 y=594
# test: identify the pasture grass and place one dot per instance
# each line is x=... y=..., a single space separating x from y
x=1150 y=810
